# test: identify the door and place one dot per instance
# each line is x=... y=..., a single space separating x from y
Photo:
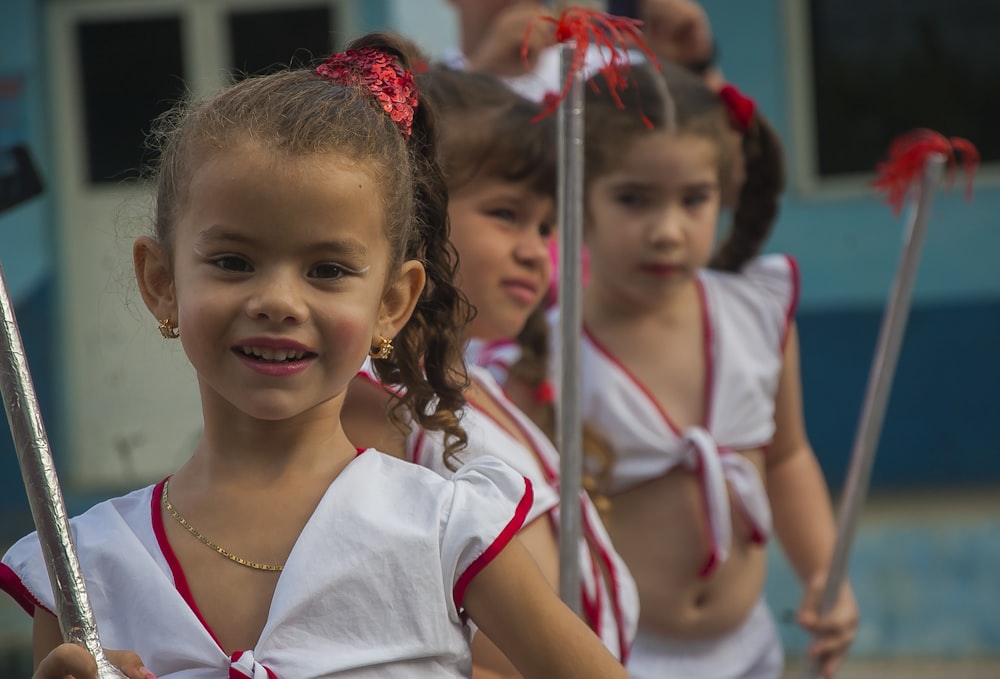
x=129 y=410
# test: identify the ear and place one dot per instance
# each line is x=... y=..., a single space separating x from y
x=400 y=299
x=155 y=277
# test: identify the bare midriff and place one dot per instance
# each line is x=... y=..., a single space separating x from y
x=660 y=529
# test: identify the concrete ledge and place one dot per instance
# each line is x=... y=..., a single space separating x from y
x=925 y=570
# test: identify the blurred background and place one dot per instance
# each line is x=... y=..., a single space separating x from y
x=81 y=79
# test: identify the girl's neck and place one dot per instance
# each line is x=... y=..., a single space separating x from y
x=604 y=305
x=235 y=448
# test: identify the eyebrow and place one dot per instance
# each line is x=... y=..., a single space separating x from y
x=637 y=185
x=349 y=247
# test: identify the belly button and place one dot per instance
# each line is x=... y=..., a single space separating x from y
x=701 y=600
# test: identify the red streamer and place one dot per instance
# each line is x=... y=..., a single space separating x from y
x=587 y=27
x=908 y=155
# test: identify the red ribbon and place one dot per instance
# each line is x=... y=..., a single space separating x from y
x=741 y=107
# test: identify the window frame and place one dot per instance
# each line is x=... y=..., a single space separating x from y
x=806 y=180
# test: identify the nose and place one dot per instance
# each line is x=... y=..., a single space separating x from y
x=532 y=247
x=666 y=228
x=278 y=297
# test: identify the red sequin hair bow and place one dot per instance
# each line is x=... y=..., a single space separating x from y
x=391 y=84
x=908 y=155
x=741 y=107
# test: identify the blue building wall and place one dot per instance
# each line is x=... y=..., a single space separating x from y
x=26 y=250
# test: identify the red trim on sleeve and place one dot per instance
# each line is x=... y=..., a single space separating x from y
x=12 y=584
x=497 y=546
x=793 y=303
x=180 y=580
x=373 y=379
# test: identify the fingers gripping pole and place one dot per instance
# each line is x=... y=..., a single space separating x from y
x=880 y=378
x=76 y=619
x=568 y=427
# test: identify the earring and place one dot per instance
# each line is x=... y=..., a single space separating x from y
x=384 y=349
x=168 y=329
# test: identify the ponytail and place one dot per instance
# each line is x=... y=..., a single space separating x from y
x=758 y=202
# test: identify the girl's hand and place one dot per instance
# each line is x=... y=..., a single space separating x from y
x=499 y=52
x=73 y=661
x=835 y=631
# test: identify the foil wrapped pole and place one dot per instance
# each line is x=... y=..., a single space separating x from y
x=76 y=619
x=883 y=369
x=569 y=428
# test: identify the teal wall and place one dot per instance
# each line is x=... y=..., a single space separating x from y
x=26 y=250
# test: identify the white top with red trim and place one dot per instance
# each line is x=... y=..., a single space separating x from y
x=610 y=601
x=372 y=588
x=746 y=320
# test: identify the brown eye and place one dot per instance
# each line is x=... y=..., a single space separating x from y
x=233 y=263
x=327 y=271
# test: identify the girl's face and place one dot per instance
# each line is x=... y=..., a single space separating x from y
x=501 y=230
x=278 y=279
x=651 y=221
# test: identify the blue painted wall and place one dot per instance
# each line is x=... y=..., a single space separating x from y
x=26 y=250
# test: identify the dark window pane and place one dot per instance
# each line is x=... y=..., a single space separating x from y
x=132 y=72
x=266 y=41
x=883 y=68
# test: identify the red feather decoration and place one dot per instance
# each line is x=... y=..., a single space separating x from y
x=908 y=155
x=587 y=27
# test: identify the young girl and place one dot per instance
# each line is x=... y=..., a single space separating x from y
x=500 y=170
x=692 y=376
x=298 y=218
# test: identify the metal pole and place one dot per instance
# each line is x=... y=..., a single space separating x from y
x=879 y=384
x=569 y=433
x=76 y=619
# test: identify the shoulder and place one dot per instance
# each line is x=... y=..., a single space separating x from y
x=365 y=415
x=486 y=476
x=98 y=534
x=776 y=276
x=761 y=298
x=769 y=282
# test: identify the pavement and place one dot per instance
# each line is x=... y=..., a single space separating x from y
x=910 y=668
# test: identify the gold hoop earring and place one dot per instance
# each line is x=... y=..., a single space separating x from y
x=168 y=329
x=383 y=350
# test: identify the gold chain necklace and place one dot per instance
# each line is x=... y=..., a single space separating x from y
x=204 y=540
